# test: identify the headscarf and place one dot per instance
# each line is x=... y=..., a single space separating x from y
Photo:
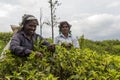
x=27 y=17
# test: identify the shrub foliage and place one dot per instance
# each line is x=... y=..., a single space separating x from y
x=94 y=61
x=74 y=64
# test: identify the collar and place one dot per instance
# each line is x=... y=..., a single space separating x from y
x=61 y=35
x=23 y=33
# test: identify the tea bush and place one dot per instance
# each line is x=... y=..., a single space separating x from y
x=73 y=64
x=96 y=60
x=2 y=45
x=5 y=36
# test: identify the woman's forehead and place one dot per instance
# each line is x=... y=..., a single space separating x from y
x=33 y=22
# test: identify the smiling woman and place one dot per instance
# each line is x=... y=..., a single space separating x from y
x=65 y=36
x=22 y=42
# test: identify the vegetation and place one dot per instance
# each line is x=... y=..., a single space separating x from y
x=5 y=36
x=2 y=45
x=96 y=60
x=111 y=46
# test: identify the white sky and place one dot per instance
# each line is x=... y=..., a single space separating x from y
x=96 y=19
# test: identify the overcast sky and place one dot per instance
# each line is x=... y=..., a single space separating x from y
x=96 y=19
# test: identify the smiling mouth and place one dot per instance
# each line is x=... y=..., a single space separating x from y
x=31 y=31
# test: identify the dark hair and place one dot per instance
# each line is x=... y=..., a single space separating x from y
x=62 y=23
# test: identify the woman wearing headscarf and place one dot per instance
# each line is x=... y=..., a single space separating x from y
x=65 y=36
x=22 y=42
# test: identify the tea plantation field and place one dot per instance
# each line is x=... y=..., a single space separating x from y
x=95 y=60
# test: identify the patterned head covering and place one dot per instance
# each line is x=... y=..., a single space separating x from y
x=27 y=17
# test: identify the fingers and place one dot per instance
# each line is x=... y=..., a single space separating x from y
x=51 y=48
x=39 y=54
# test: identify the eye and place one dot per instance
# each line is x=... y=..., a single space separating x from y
x=65 y=26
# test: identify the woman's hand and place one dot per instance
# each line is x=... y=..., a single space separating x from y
x=67 y=45
x=38 y=54
x=51 y=48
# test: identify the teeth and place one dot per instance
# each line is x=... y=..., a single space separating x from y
x=32 y=31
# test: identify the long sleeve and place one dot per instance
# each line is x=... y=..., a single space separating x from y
x=44 y=42
x=16 y=48
x=56 y=41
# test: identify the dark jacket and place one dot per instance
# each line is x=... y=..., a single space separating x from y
x=22 y=46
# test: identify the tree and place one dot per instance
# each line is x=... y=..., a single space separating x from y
x=53 y=21
x=41 y=22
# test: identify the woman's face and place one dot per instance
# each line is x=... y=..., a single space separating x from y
x=65 y=29
x=30 y=27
